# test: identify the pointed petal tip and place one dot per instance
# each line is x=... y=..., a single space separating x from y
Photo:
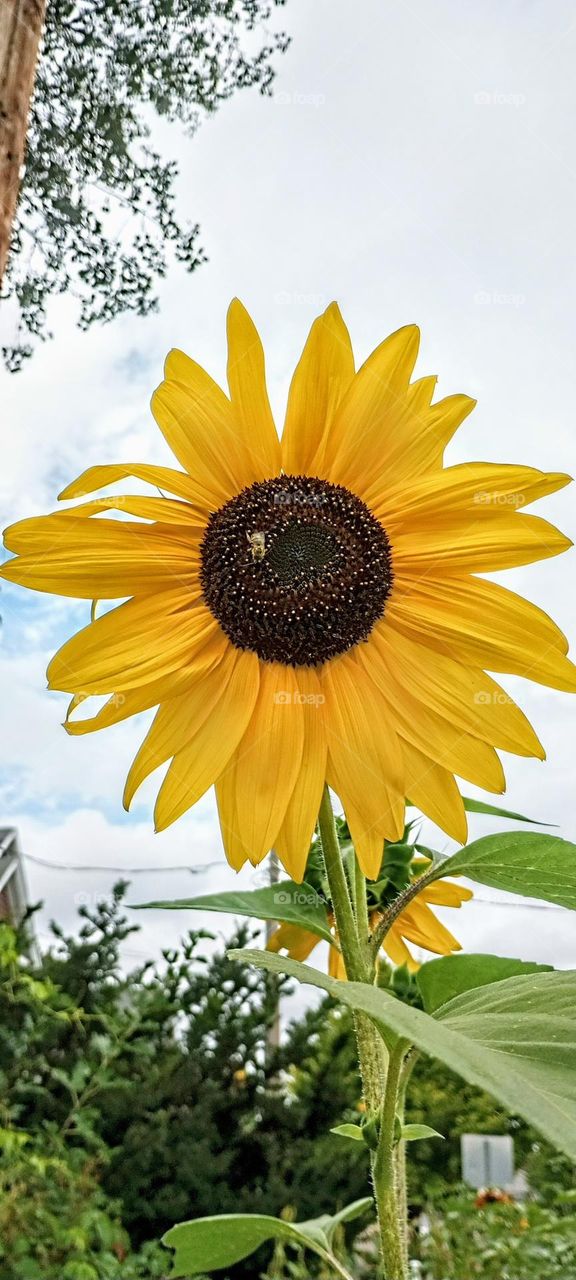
x=333 y=309
x=161 y=821
x=562 y=478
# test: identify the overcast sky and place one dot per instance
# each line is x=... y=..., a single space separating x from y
x=416 y=163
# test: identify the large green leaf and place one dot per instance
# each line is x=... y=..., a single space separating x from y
x=441 y=980
x=538 y=866
x=287 y=902
x=515 y=1038
x=208 y=1244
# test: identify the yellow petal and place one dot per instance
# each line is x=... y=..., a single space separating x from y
x=466 y=491
x=368 y=840
x=162 y=510
x=247 y=383
x=369 y=414
x=197 y=765
x=444 y=893
x=477 y=545
x=292 y=842
x=456 y=750
x=336 y=966
x=130 y=702
x=225 y=788
x=433 y=790
x=202 y=430
x=322 y=376
x=419 y=397
x=299 y=943
x=104 y=558
x=481 y=624
x=161 y=477
x=419 y=925
x=267 y=761
x=136 y=643
x=365 y=764
x=396 y=949
x=468 y=698
x=177 y=721
x=417 y=445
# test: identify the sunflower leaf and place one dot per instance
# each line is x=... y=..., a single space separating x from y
x=208 y=1244
x=287 y=902
x=515 y=1037
x=441 y=980
x=535 y=865
x=480 y=806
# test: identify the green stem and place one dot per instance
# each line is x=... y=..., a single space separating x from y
x=361 y=901
x=358 y=965
x=392 y=1228
x=400 y=1151
x=399 y=905
x=356 y=969
x=381 y=1079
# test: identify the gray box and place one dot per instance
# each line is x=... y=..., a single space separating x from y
x=487 y=1159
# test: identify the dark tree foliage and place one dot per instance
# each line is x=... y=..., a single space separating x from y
x=133 y=1101
x=97 y=212
x=161 y=1085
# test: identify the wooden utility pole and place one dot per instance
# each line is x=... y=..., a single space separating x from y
x=21 y=25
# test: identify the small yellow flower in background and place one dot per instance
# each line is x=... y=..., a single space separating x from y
x=416 y=924
x=419 y=925
x=306 y=610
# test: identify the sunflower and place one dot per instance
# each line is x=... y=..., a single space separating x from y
x=306 y=610
x=416 y=924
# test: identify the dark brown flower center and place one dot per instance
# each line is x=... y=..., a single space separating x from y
x=296 y=569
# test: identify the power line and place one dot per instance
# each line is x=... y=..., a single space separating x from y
x=207 y=866
x=131 y=871
x=526 y=906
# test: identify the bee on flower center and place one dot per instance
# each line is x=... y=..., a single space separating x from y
x=257 y=544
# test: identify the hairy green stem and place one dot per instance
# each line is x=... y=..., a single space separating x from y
x=399 y=905
x=392 y=1227
x=381 y=1073
x=361 y=903
x=356 y=969
x=400 y=1151
x=358 y=965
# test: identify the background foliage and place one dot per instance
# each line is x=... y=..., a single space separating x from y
x=130 y=1102
x=97 y=211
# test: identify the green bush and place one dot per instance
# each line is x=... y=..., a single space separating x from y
x=497 y=1242
x=133 y=1101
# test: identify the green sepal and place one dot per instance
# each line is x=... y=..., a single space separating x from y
x=354 y=1132
x=416 y=1132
